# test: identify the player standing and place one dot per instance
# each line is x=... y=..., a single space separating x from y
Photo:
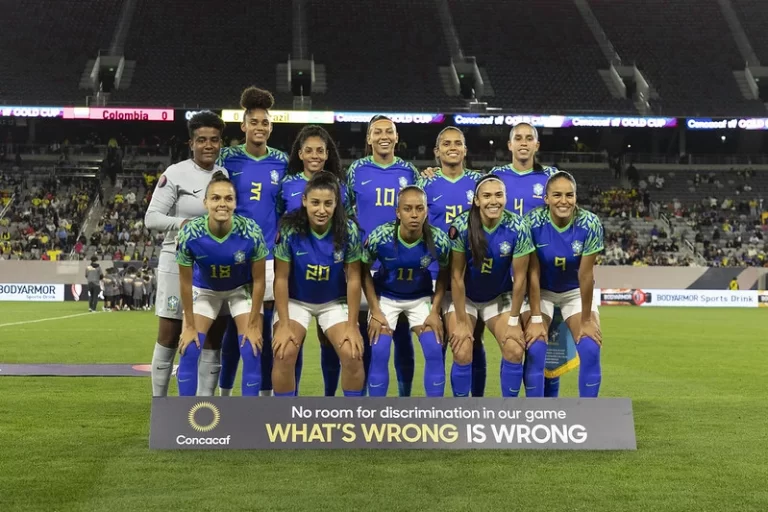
x=487 y=242
x=228 y=254
x=178 y=197
x=317 y=273
x=450 y=190
x=568 y=240
x=256 y=171
x=313 y=151
x=405 y=249
x=374 y=183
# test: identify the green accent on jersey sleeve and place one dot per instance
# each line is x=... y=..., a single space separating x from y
x=379 y=236
x=442 y=246
x=595 y=234
x=354 y=251
x=252 y=231
x=282 y=249
x=224 y=155
x=191 y=230
x=537 y=217
x=347 y=202
x=416 y=174
x=475 y=175
x=458 y=233
x=524 y=242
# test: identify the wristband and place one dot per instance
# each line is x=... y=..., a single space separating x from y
x=513 y=321
x=537 y=320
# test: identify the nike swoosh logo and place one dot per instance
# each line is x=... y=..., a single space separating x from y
x=197 y=191
x=514 y=390
x=390 y=259
x=184 y=380
x=541 y=245
x=438 y=383
x=365 y=182
x=375 y=385
x=437 y=198
x=237 y=173
x=301 y=253
x=593 y=385
x=202 y=256
x=295 y=194
x=251 y=384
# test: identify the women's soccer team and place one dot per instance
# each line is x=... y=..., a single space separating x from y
x=374 y=255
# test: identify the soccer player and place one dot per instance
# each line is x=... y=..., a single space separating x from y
x=488 y=241
x=525 y=180
x=374 y=183
x=228 y=254
x=256 y=171
x=317 y=273
x=568 y=240
x=450 y=189
x=313 y=151
x=178 y=197
x=405 y=250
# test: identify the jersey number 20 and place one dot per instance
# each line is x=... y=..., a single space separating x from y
x=318 y=273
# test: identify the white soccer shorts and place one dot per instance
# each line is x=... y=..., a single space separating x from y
x=416 y=310
x=328 y=314
x=569 y=303
x=168 y=298
x=486 y=310
x=208 y=303
x=269 y=281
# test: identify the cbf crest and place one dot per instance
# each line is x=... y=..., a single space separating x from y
x=505 y=248
x=274 y=176
x=425 y=261
x=470 y=195
x=577 y=247
x=239 y=257
x=538 y=190
x=403 y=182
x=338 y=256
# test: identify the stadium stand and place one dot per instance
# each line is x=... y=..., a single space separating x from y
x=45 y=49
x=684 y=48
x=539 y=55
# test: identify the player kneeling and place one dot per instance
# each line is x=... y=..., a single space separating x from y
x=317 y=274
x=487 y=240
x=228 y=254
x=561 y=274
x=403 y=284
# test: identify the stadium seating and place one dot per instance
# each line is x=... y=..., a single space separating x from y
x=754 y=18
x=46 y=47
x=196 y=54
x=540 y=56
x=685 y=50
x=379 y=58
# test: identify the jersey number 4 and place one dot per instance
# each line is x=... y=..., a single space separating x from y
x=318 y=273
x=221 y=271
x=518 y=207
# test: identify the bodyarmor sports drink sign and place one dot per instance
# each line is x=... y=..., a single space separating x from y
x=392 y=423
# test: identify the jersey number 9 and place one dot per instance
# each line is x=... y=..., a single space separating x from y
x=318 y=273
x=451 y=212
x=256 y=191
x=560 y=262
x=221 y=271
x=388 y=197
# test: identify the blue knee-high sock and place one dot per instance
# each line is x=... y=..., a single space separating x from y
x=363 y=322
x=353 y=393
x=299 y=366
x=378 y=375
x=511 y=378
x=479 y=368
x=289 y=393
x=551 y=387
x=331 y=366
x=266 y=351
x=461 y=379
x=404 y=358
x=187 y=371
x=533 y=370
x=251 y=369
x=230 y=356
x=590 y=374
x=434 y=369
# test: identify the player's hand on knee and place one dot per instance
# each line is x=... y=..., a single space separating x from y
x=376 y=325
x=255 y=338
x=283 y=338
x=188 y=336
x=461 y=335
x=534 y=332
x=435 y=323
x=514 y=334
x=592 y=330
x=355 y=340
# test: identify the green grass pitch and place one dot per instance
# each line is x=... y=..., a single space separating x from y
x=695 y=377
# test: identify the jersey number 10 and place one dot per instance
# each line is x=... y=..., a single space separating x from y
x=388 y=197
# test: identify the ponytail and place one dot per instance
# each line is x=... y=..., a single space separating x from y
x=218 y=177
x=478 y=243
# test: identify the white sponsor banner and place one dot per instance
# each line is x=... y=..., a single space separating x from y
x=681 y=298
x=31 y=292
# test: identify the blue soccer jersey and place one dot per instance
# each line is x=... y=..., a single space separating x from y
x=220 y=264
x=448 y=198
x=560 y=249
x=525 y=189
x=374 y=188
x=404 y=272
x=317 y=269
x=510 y=238
x=292 y=188
x=257 y=183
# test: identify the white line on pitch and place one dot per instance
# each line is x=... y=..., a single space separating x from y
x=47 y=319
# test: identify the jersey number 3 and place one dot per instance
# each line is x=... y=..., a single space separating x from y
x=256 y=191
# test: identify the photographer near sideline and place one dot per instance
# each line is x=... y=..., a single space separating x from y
x=94 y=276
